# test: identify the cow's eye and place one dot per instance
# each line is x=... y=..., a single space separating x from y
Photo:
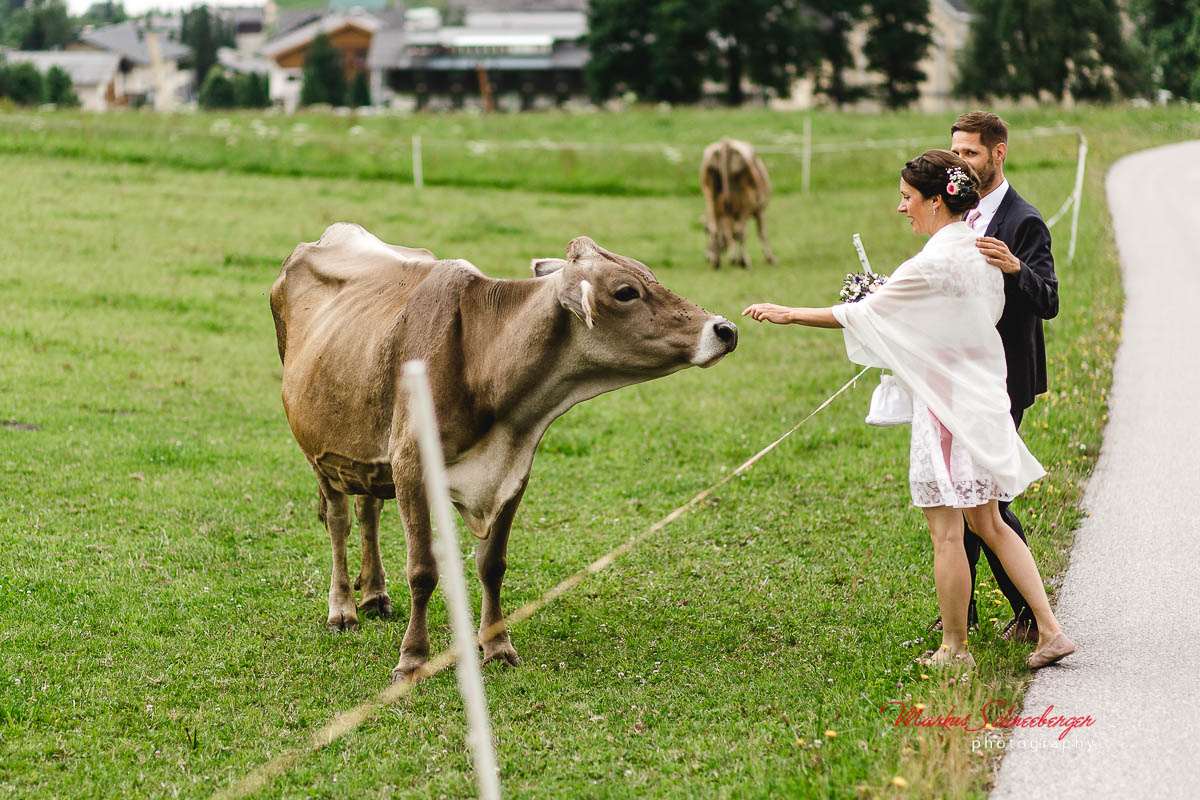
x=626 y=293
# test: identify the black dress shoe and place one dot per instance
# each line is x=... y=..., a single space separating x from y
x=972 y=621
x=1020 y=630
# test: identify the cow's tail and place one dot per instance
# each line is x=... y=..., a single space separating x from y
x=726 y=194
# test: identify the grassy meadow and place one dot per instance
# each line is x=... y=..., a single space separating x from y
x=163 y=575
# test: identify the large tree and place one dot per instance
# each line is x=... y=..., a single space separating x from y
x=898 y=36
x=657 y=49
x=105 y=12
x=42 y=25
x=1023 y=48
x=836 y=19
x=1170 y=30
x=665 y=49
x=199 y=32
x=771 y=42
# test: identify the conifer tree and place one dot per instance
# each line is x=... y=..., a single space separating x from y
x=1170 y=30
x=324 y=74
x=898 y=37
x=1026 y=48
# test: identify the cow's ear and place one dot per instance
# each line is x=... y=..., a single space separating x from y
x=582 y=246
x=546 y=266
x=579 y=301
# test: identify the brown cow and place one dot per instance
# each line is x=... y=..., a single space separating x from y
x=505 y=359
x=736 y=187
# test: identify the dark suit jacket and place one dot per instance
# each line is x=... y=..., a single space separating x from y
x=1029 y=297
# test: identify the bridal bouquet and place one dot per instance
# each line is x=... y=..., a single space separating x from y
x=860 y=284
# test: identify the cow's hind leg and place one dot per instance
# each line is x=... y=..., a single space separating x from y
x=491 y=560
x=335 y=513
x=372 y=580
x=762 y=237
x=740 y=256
x=422 y=578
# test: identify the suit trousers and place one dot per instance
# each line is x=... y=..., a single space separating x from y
x=974 y=545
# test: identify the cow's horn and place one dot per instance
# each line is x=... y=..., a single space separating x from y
x=581 y=246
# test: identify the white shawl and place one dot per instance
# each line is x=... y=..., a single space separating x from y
x=934 y=325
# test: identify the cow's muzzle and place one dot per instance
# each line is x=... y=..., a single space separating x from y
x=726 y=331
x=718 y=340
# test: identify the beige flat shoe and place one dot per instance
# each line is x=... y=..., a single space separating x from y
x=1055 y=650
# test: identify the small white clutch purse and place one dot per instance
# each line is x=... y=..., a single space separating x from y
x=890 y=405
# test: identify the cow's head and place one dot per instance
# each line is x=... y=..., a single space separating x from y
x=633 y=323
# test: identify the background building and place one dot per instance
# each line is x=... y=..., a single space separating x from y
x=150 y=71
x=95 y=76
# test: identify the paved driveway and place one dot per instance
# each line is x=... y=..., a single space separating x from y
x=1129 y=598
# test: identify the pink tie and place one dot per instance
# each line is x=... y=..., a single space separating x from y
x=972 y=216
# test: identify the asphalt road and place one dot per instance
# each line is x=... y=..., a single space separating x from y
x=1129 y=598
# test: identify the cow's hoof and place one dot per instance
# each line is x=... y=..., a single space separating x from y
x=342 y=622
x=502 y=652
x=379 y=606
x=410 y=668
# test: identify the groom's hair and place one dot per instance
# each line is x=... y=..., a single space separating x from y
x=991 y=129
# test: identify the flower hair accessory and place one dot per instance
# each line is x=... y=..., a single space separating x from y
x=959 y=182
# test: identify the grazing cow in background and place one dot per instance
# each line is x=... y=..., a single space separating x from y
x=736 y=187
x=505 y=359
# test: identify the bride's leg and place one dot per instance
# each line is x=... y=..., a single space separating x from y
x=951 y=575
x=1018 y=563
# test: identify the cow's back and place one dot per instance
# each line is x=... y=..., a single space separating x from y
x=734 y=178
x=345 y=260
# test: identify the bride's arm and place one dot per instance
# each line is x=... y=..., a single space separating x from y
x=784 y=315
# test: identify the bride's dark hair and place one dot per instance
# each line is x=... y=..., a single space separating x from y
x=930 y=174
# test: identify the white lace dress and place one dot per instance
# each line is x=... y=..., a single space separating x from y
x=934 y=325
x=941 y=471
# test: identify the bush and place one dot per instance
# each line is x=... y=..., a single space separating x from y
x=59 y=89
x=217 y=90
x=22 y=83
x=252 y=90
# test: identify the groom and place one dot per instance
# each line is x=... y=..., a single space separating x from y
x=1016 y=240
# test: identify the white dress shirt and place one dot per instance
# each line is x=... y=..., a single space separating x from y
x=987 y=207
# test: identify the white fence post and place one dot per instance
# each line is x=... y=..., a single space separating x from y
x=418 y=177
x=806 y=156
x=450 y=565
x=1079 y=170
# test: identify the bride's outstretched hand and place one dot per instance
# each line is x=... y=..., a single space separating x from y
x=769 y=312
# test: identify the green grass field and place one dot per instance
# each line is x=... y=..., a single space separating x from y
x=163 y=574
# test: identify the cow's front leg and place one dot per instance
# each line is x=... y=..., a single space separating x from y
x=422 y=577
x=335 y=513
x=491 y=561
x=714 y=249
x=372 y=580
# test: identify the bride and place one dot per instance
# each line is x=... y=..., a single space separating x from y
x=934 y=325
